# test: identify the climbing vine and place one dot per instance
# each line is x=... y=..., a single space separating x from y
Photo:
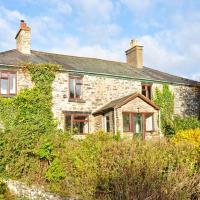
x=27 y=116
x=165 y=99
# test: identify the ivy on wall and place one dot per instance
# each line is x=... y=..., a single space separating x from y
x=165 y=99
x=27 y=116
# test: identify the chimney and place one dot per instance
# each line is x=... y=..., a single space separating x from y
x=134 y=55
x=23 y=38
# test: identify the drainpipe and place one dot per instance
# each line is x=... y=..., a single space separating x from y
x=115 y=121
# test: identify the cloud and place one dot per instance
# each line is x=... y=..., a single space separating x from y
x=8 y=19
x=93 y=29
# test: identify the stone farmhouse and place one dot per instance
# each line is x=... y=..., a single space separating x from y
x=91 y=94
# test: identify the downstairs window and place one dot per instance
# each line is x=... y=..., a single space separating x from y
x=77 y=123
x=138 y=122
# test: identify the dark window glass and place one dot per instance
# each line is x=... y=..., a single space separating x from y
x=77 y=123
x=126 y=122
x=146 y=91
x=68 y=122
x=107 y=123
x=75 y=88
x=72 y=88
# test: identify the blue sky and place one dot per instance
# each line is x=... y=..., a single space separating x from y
x=168 y=30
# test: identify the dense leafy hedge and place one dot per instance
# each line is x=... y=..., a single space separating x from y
x=165 y=99
x=25 y=118
x=185 y=123
x=100 y=167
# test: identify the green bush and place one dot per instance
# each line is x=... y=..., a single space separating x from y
x=3 y=188
x=55 y=172
x=165 y=100
x=185 y=123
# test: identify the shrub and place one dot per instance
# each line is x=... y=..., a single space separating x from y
x=165 y=99
x=191 y=136
x=185 y=123
x=55 y=172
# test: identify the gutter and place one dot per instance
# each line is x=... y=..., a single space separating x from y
x=126 y=77
x=114 y=76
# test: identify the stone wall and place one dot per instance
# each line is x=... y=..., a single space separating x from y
x=32 y=192
x=186 y=99
x=99 y=90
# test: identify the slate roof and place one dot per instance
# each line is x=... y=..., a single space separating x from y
x=92 y=65
x=122 y=101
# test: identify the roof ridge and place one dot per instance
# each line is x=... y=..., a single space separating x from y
x=3 y=52
x=43 y=52
x=166 y=73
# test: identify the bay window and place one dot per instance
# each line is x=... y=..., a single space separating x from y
x=8 y=82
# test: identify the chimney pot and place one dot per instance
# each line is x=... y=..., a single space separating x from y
x=23 y=25
x=23 y=38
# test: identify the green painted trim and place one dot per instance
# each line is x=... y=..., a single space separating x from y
x=124 y=77
x=8 y=67
x=2 y=66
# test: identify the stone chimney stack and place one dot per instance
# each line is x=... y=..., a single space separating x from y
x=134 y=55
x=23 y=38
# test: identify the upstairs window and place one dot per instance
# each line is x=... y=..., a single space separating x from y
x=146 y=90
x=75 y=87
x=8 y=83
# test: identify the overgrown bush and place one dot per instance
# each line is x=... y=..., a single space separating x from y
x=185 y=123
x=191 y=136
x=165 y=99
x=26 y=118
x=100 y=167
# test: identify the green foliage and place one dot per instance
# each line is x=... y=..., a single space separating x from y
x=165 y=99
x=185 y=123
x=100 y=167
x=3 y=188
x=26 y=118
x=55 y=172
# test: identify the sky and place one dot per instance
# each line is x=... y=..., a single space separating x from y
x=169 y=30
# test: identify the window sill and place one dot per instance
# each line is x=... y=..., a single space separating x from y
x=76 y=100
x=8 y=95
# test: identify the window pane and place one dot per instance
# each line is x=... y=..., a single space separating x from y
x=126 y=122
x=80 y=127
x=68 y=122
x=78 y=91
x=137 y=123
x=107 y=124
x=149 y=122
x=71 y=87
x=4 y=86
x=12 y=83
x=149 y=92
x=80 y=117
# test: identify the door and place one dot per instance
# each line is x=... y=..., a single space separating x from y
x=138 y=124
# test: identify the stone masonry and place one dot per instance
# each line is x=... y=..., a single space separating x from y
x=100 y=90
